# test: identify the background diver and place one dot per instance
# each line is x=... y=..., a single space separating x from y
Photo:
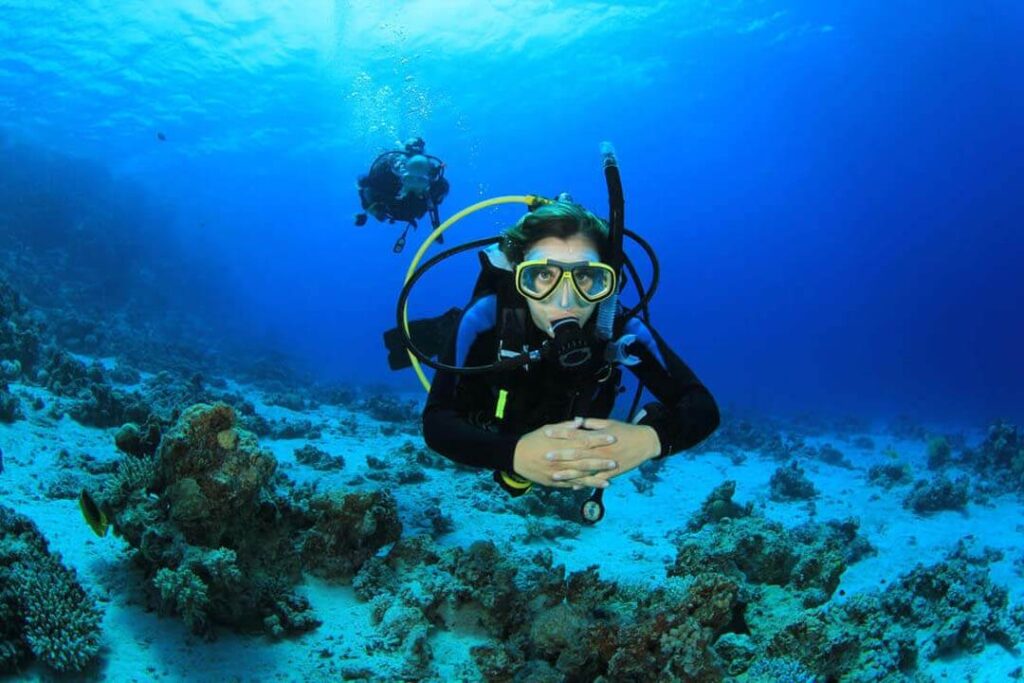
x=403 y=185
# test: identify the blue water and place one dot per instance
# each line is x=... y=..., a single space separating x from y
x=834 y=189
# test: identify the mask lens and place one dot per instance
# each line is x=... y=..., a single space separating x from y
x=593 y=282
x=537 y=281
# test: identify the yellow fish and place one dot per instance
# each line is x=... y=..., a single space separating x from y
x=94 y=517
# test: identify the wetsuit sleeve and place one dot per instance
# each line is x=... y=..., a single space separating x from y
x=684 y=413
x=447 y=428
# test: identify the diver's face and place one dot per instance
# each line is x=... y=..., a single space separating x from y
x=563 y=302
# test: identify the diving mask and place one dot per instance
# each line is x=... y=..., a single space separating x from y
x=592 y=281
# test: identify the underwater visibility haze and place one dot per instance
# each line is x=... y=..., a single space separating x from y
x=202 y=445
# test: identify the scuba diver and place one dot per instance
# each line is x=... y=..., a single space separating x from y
x=527 y=379
x=403 y=185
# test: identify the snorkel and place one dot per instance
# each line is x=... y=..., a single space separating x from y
x=616 y=224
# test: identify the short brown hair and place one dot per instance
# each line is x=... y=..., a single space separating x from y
x=557 y=219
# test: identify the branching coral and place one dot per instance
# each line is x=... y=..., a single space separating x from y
x=46 y=612
x=184 y=593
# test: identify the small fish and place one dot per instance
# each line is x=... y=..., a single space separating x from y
x=161 y=137
x=94 y=517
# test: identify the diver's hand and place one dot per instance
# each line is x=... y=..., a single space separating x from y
x=630 y=446
x=531 y=460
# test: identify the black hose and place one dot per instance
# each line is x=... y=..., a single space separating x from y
x=403 y=297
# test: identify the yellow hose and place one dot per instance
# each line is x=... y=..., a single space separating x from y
x=528 y=199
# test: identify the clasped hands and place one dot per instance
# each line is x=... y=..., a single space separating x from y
x=585 y=452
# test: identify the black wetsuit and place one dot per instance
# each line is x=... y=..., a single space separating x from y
x=459 y=420
x=382 y=185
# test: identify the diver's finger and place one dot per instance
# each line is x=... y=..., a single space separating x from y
x=580 y=438
x=562 y=430
x=573 y=478
x=593 y=423
x=595 y=439
x=577 y=456
x=590 y=482
x=584 y=468
x=563 y=454
x=595 y=464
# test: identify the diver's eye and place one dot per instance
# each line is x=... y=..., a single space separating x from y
x=545 y=276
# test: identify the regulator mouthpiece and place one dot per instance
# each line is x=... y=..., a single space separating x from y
x=569 y=346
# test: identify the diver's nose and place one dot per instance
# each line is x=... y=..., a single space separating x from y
x=566 y=295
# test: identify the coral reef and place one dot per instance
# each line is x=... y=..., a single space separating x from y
x=21 y=335
x=718 y=506
x=744 y=435
x=726 y=610
x=10 y=370
x=1000 y=457
x=936 y=611
x=939 y=452
x=103 y=406
x=219 y=542
x=790 y=483
x=779 y=670
x=807 y=560
x=282 y=429
x=890 y=475
x=388 y=408
x=95 y=401
x=938 y=494
x=66 y=486
x=291 y=400
x=65 y=375
x=540 y=620
x=139 y=441
x=10 y=406
x=347 y=531
x=335 y=395
x=438 y=523
x=386 y=471
x=44 y=611
x=318 y=459
x=123 y=373
x=829 y=454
